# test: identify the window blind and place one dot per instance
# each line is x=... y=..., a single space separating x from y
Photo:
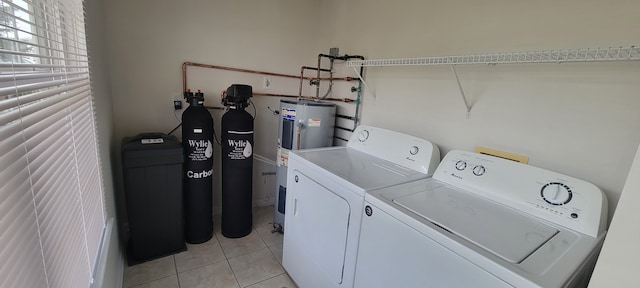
x=51 y=200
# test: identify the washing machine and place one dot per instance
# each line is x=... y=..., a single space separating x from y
x=325 y=196
x=482 y=221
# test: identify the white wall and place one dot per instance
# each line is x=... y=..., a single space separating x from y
x=112 y=261
x=578 y=119
x=618 y=261
x=150 y=39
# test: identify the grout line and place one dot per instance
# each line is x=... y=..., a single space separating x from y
x=234 y=273
x=276 y=256
x=153 y=278
x=201 y=266
x=175 y=266
x=226 y=258
x=265 y=279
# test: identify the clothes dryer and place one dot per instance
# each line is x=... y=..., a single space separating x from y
x=326 y=188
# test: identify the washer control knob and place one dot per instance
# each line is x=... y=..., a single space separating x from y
x=460 y=165
x=556 y=193
x=363 y=136
x=414 y=150
x=478 y=170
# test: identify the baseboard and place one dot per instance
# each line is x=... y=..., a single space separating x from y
x=109 y=271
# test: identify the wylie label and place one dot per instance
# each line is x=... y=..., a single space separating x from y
x=238 y=143
x=198 y=143
x=201 y=150
x=240 y=149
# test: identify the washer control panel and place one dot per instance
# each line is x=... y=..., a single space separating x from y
x=561 y=199
x=556 y=193
x=402 y=149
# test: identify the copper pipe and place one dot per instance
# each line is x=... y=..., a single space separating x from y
x=318 y=86
x=339 y=79
x=314 y=68
x=301 y=78
x=186 y=64
x=346 y=100
x=275 y=95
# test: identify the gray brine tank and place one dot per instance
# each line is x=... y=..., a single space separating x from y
x=303 y=124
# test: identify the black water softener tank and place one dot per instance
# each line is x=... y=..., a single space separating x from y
x=237 y=162
x=197 y=138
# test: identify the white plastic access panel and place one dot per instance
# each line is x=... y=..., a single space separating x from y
x=317 y=217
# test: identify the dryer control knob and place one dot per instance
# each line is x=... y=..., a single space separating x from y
x=460 y=165
x=479 y=170
x=414 y=150
x=556 y=193
x=363 y=136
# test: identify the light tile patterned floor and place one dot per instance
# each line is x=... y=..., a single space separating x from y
x=252 y=261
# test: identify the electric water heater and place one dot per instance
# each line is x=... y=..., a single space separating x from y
x=303 y=124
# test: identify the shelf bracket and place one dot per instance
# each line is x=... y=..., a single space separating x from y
x=355 y=69
x=464 y=97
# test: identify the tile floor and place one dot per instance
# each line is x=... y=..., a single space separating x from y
x=252 y=261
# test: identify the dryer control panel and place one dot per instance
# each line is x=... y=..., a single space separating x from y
x=560 y=199
x=412 y=152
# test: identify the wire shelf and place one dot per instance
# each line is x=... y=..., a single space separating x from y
x=609 y=54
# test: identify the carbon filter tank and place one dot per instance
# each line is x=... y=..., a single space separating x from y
x=237 y=163
x=197 y=137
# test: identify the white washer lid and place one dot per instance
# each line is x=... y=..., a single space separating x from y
x=502 y=231
x=365 y=171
